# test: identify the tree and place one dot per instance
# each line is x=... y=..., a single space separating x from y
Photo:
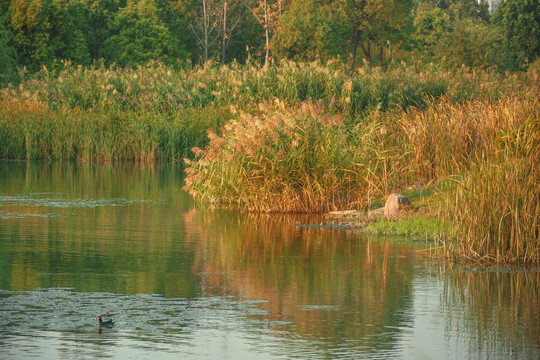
x=431 y=25
x=375 y=23
x=267 y=13
x=469 y=9
x=138 y=36
x=230 y=18
x=471 y=43
x=205 y=25
x=309 y=30
x=8 y=55
x=175 y=16
x=29 y=20
x=68 y=27
x=100 y=14
x=457 y=36
x=519 y=21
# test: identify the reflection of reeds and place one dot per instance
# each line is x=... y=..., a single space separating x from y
x=108 y=219
x=497 y=305
x=268 y=257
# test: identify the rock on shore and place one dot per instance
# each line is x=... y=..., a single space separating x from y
x=395 y=203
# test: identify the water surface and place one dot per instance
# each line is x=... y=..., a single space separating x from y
x=181 y=281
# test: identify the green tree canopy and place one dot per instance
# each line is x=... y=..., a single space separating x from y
x=519 y=21
x=431 y=25
x=308 y=30
x=139 y=35
x=375 y=24
x=68 y=31
x=30 y=22
x=8 y=55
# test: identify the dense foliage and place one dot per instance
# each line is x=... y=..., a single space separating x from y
x=36 y=33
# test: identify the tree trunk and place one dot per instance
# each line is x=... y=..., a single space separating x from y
x=366 y=48
x=224 y=41
x=354 y=42
x=205 y=25
x=267 y=34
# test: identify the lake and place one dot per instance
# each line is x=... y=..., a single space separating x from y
x=122 y=240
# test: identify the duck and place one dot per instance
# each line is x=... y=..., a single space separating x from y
x=108 y=323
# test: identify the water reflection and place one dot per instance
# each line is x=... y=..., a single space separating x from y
x=502 y=309
x=80 y=239
x=312 y=277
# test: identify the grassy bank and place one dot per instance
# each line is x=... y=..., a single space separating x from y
x=303 y=137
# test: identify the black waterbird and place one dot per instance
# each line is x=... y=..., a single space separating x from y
x=108 y=323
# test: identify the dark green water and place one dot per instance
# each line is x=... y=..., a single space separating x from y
x=181 y=282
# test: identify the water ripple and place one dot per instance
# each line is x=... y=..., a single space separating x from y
x=55 y=201
x=45 y=199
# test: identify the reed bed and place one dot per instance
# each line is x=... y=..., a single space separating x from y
x=160 y=87
x=496 y=207
x=446 y=137
x=491 y=148
x=159 y=112
x=30 y=129
x=290 y=160
x=308 y=159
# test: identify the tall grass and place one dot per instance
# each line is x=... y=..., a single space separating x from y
x=281 y=152
x=446 y=137
x=291 y=160
x=492 y=149
x=156 y=86
x=285 y=160
x=30 y=129
x=157 y=112
x=496 y=207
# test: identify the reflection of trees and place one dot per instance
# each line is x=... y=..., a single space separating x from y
x=496 y=305
x=121 y=246
x=306 y=273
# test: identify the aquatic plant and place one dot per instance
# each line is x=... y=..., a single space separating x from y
x=29 y=129
x=290 y=160
x=496 y=207
x=286 y=160
x=158 y=112
x=446 y=137
x=157 y=86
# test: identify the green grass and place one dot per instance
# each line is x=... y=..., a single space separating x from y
x=426 y=227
